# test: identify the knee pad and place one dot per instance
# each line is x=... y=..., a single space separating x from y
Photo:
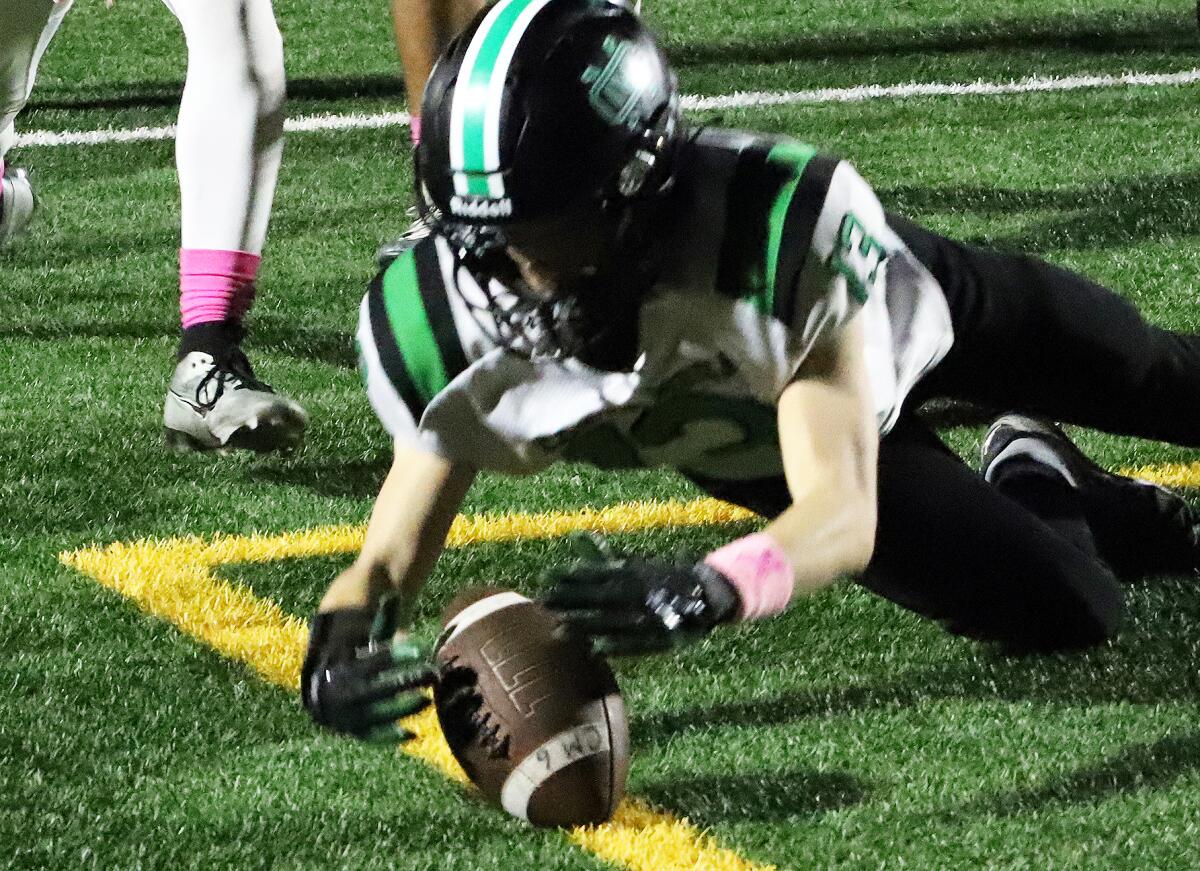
x=241 y=37
x=266 y=52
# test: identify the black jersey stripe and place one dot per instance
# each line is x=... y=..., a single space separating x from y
x=389 y=350
x=798 y=226
x=751 y=190
x=437 y=309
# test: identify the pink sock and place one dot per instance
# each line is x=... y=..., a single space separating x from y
x=762 y=573
x=215 y=285
x=414 y=129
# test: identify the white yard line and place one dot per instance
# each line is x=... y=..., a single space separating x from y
x=738 y=100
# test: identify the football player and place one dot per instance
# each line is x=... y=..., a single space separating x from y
x=227 y=149
x=606 y=285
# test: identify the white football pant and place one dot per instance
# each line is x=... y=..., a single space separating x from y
x=26 y=27
x=230 y=137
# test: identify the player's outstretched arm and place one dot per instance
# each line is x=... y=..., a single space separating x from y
x=829 y=442
x=407 y=531
x=829 y=439
x=359 y=677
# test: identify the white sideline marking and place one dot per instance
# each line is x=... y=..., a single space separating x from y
x=302 y=124
x=862 y=93
x=737 y=100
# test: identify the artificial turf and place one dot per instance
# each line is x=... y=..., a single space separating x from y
x=845 y=734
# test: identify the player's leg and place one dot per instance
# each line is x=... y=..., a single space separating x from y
x=227 y=152
x=423 y=29
x=1014 y=562
x=1139 y=528
x=26 y=28
x=1035 y=337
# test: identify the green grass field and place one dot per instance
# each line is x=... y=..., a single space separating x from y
x=846 y=734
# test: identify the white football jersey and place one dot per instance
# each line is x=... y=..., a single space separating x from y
x=777 y=247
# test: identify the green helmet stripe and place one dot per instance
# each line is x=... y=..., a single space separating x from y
x=475 y=114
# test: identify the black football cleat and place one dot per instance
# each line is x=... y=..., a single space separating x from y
x=1141 y=528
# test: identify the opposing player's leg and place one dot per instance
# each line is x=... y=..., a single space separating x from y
x=423 y=29
x=1044 y=340
x=26 y=28
x=227 y=152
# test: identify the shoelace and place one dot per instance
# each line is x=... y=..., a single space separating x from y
x=469 y=720
x=232 y=368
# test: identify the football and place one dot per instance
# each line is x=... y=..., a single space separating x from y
x=536 y=721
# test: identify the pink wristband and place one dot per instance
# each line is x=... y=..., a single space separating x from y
x=762 y=573
x=414 y=129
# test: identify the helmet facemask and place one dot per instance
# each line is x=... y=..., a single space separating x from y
x=550 y=298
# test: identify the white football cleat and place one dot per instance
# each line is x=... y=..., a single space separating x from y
x=17 y=204
x=218 y=405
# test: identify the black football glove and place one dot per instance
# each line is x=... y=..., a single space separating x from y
x=357 y=684
x=629 y=605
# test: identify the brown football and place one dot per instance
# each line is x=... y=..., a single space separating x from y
x=535 y=721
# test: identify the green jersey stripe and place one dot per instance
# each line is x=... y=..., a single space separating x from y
x=796 y=231
x=389 y=350
x=437 y=308
x=410 y=324
x=793 y=157
x=759 y=192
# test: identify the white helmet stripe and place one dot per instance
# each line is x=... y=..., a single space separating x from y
x=479 y=95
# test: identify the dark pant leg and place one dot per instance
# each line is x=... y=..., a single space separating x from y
x=952 y=548
x=955 y=549
x=1037 y=338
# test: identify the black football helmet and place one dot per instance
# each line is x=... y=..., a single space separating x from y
x=543 y=115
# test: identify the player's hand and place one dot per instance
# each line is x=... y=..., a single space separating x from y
x=629 y=605
x=357 y=681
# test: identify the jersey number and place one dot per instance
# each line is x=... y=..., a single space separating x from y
x=698 y=433
x=858 y=257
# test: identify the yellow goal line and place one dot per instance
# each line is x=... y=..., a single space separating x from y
x=175 y=579
x=1184 y=476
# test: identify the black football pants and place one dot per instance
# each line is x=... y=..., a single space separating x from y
x=1022 y=571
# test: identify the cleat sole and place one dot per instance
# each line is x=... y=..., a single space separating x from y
x=181 y=443
x=283 y=435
